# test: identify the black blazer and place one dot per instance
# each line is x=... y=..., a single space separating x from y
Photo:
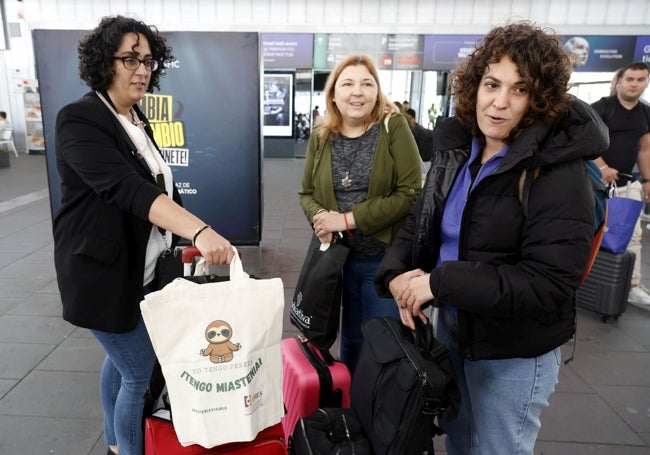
x=102 y=228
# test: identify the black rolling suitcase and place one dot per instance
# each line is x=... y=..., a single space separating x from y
x=607 y=286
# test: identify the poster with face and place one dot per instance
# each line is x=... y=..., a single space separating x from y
x=278 y=104
x=599 y=53
x=578 y=49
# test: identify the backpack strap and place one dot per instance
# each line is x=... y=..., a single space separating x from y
x=528 y=176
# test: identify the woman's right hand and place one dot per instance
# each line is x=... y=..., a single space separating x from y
x=398 y=287
x=321 y=223
x=214 y=248
x=609 y=174
x=326 y=237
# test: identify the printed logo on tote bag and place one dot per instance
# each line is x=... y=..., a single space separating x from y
x=220 y=349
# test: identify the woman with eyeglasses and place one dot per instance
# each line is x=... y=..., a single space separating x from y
x=119 y=211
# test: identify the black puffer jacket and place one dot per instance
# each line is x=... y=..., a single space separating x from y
x=514 y=283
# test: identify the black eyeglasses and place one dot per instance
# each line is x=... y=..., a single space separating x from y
x=133 y=63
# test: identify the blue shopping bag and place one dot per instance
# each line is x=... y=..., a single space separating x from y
x=622 y=216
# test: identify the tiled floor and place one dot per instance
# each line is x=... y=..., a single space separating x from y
x=49 y=402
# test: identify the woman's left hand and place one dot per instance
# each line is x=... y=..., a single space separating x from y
x=325 y=224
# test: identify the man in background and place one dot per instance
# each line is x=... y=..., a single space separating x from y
x=316 y=118
x=4 y=123
x=409 y=110
x=628 y=120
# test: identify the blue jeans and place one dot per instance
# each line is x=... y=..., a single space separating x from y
x=123 y=382
x=360 y=302
x=501 y=400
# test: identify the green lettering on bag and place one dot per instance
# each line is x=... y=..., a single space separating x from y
x=198 y=385
x=241 y=382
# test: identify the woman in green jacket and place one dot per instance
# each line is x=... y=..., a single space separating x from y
x=362 y=175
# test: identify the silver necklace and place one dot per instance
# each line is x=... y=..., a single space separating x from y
x=346 y=182
x=135 y=120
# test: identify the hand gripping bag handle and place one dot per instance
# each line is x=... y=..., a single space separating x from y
x=236 y=267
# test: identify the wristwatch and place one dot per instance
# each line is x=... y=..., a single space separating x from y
x=645 y=180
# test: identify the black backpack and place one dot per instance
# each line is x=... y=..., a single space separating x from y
x=329 y=431
x=403 y=381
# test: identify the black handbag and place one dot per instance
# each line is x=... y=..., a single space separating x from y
x=329 y=431
x=316 y=303
x=404 y=380
x=168 y=267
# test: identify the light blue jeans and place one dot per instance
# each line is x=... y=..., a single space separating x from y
x=360 y=302
x=123 y=382
x=501 y=399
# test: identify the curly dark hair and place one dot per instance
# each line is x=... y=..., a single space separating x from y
x=542 y=62
x=97 y=49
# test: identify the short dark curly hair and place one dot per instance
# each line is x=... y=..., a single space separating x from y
x=542 y=62
x=97 y=49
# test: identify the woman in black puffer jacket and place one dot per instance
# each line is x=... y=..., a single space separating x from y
x=502 y=261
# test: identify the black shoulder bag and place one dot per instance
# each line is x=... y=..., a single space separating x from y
x=316 y=303
x=404 y=381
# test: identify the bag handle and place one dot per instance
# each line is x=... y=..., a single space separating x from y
x=236 y=267
x=423 y=335
x=425 y=340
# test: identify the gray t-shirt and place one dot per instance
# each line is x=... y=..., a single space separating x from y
x=352 y=161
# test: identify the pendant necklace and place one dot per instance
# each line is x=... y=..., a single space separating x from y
x=346 y=181
x=135 y=120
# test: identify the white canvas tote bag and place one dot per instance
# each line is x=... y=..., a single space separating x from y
x=219 y=348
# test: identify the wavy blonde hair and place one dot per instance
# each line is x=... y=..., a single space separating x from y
x=331 y=126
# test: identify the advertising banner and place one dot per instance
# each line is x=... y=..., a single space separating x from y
x=599 y=53
x=278 y=104
x=587 y=53
x=287 y=50
x=445 y=52
x=205 y=118
x=642 y=49
x=390 y=52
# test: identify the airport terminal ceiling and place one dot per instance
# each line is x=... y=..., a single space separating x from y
x=346 y=17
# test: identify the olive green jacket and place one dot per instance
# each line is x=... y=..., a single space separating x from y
x=395 y=182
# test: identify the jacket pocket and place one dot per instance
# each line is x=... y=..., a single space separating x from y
x=96 y=248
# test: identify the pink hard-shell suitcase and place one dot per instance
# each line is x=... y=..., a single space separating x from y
x=311 y=380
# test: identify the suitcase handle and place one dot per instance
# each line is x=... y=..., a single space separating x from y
x=325 y=354
x=189 y=253
x=328 y=396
